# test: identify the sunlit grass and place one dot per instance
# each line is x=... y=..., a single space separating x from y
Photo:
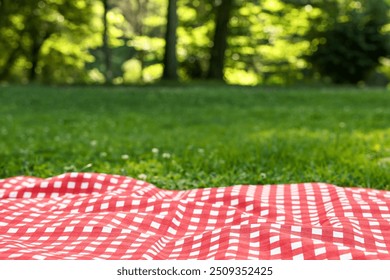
x=199 y=136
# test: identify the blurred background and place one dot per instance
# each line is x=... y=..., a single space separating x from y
x=246 y=42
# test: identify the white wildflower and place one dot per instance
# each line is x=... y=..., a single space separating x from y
x=166 y=155
x=142 y=176
x=125 y=157
x=155 y=151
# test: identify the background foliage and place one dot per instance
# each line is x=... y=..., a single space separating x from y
x=268 y=41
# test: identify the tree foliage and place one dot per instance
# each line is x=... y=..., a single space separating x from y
x=349 y=49
x=251 y=42
x=46 y=40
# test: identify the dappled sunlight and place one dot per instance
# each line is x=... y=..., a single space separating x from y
x=132 y=71
x=147 y=44
x=152 y=73
x=241 y=77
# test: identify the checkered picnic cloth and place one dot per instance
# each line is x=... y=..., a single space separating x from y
x=99 y=216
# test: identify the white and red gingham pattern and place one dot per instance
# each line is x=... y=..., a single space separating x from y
x=99 y=216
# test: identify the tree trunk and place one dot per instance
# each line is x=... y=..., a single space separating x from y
x=170 y=59
x=35 y=49
x=217 y=53
x=106 y=47
x=3 y=12
x=37 y=42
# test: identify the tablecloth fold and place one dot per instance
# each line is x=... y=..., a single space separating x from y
x=101 y=216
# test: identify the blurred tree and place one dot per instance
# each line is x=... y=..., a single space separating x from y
x=240 y=41
x=266 y=42
x=195 y=32
x=106 y=47
x=348 y=39
x=218 y=49
x=135 y=13
x=170 y=59
x=139 y=55
x=37 y=33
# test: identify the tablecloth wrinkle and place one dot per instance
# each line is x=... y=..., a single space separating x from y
x=101 y=216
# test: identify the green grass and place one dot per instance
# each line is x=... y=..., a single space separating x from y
x=199 y=136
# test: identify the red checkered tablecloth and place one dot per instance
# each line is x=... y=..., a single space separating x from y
x=100 y=216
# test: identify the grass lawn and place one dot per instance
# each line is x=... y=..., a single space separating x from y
x=199 y=136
